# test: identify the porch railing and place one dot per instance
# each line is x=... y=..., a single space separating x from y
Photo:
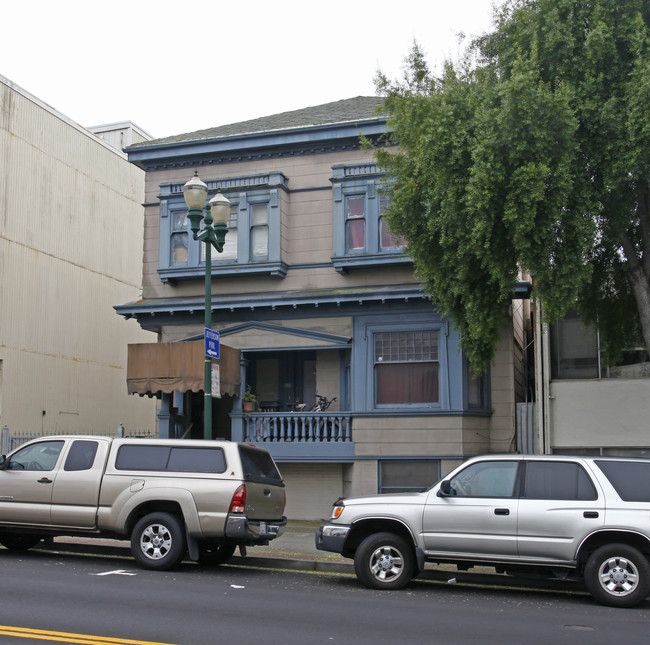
x=310 y=427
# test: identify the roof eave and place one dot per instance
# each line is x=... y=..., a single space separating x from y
x=143 y=154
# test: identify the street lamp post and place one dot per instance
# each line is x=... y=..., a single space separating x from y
x=213 y=234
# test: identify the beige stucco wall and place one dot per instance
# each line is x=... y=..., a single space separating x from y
x=71 y=231
x=306 y=230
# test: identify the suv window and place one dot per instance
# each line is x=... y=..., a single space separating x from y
x=259 y=466
x=629 y=478
x=557 y=480
x=171 y=459
x=486 y=479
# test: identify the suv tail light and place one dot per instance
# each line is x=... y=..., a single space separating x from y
x=238 y=503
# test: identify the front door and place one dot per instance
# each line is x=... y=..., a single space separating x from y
x=27 y=483
x=478 y=517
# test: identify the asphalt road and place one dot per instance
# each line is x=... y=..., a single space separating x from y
x=99 y=600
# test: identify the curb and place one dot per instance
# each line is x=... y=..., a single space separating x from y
x=432 y=574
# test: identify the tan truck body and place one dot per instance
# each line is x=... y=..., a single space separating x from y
x=55 y=486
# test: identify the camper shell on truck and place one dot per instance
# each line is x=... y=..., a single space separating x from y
x=168 y=496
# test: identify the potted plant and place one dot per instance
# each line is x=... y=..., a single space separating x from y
x=249 y=402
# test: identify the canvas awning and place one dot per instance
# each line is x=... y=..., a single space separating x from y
x=153 y=368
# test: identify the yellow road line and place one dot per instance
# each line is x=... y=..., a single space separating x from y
x=66 y=637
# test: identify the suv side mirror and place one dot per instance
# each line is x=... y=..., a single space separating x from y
x=445 y=488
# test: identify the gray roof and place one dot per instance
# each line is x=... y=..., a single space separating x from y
x=360 y=108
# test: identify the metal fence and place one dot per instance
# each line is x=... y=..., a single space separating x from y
x=10 y=442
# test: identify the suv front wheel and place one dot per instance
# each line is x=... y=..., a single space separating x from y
x=618 y=575
x=384 y=561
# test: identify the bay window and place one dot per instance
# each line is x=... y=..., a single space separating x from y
x=361 y=237
x=252 y=244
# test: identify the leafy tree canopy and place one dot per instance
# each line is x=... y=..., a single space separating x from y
x=533 y=154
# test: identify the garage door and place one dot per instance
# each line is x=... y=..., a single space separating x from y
x=311 y=489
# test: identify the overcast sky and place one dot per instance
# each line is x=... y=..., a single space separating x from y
x=104 y=62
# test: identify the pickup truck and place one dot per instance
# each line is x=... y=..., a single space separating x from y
x=169 y=497
x=546 y=515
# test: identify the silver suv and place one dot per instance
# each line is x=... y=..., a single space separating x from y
x=564 y=516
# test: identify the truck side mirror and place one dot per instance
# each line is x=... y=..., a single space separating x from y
x=445 y=488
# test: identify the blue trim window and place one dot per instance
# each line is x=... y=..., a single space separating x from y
x=179 y=237
x=406 y=363
x=406 y=367
x=407 y=475
x=477 y=389
x=360 y=235
x=253 y=241
x=387 y=241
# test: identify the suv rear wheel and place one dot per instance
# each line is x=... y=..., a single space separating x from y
x=158 y=541
x=384 y=561
x=618 y=575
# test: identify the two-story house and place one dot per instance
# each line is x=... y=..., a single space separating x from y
x=318 y=297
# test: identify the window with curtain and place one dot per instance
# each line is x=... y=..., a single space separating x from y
x=229 y=251
x=361 y=236
x=179 y=237
x=259 y=231
x=406 y=367
x=355 y=225
x=387 y=239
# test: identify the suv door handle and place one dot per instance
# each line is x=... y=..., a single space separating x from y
x=502 y=511
x=590 y=514
x=44 y=480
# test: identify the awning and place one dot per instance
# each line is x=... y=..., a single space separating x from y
x=153 y=368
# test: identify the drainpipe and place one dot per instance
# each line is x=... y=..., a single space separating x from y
x=542 y=383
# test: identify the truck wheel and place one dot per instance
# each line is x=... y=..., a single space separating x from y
x=384 y=561
x=618 y=575
x=17 y=542
x=158 y=541
x=215 y=554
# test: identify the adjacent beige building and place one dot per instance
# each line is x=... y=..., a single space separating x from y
x=70 y=248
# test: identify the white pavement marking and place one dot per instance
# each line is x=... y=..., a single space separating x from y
x=117 y=572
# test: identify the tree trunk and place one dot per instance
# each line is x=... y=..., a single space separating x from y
x=641 y=289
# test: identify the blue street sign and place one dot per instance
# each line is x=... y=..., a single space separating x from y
x=211 y=343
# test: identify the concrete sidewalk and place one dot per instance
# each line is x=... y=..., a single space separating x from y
x=295 y=550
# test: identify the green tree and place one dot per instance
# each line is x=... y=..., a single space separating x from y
x=532 y=153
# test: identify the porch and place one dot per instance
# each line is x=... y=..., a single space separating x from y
x=289 y=435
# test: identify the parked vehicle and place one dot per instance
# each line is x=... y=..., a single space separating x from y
x=556 y=515
x=167 y=496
